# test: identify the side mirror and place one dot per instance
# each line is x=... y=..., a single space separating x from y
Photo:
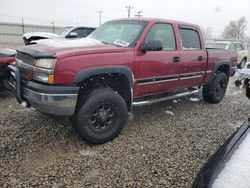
x=152 y=45
x=72 y=35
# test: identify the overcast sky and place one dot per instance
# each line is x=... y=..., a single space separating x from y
x=207 y=13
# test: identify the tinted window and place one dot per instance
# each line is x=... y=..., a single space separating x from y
x=190 y=39
x=163 y=33
x=82 y=32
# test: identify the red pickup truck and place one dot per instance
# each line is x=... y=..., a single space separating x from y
x=7 y=57
x=123 y=63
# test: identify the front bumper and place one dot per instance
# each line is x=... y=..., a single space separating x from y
x=49 y=99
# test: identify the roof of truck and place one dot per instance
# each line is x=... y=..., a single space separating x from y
x=157 y=20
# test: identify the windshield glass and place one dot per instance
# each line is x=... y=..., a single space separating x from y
x=119 y=33
x=63 y=31
x=216 y=45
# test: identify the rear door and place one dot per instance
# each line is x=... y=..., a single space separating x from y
x=193 y=57
x=156 y=71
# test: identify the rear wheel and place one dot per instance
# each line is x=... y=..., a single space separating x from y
x=101 y=117
x=215 y=91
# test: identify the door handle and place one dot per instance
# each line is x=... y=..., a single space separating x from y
x=176 y=59
x=200 y=58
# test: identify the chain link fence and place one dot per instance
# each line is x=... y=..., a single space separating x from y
x=11 y=34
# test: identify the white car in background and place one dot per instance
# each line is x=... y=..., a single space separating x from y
x=67 y=32
x=242 y=50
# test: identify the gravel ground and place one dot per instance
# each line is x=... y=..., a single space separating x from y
x=164 y=146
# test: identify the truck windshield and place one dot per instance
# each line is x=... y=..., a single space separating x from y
x=216 y=46
x=120 y=33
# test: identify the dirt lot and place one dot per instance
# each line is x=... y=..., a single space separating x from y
x=164 y=146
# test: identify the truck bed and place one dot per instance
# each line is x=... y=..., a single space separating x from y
x=216 y=56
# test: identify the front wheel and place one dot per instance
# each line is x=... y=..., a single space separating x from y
x=101 y=117
x=2 y=88
x=215 y=91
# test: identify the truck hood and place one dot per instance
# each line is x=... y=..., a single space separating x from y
x=46 y=35
x=61 y=48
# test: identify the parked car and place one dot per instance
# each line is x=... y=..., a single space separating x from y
x=7 y=56
x=67 y=32
x=229 y=166
x=242 y=50
x=123 y=63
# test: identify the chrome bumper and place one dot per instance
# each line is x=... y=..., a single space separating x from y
x=54 y=104
x=49 y=99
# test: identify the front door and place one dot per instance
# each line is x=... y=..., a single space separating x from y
x=158 y=71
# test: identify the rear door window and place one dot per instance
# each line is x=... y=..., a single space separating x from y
x=190 y=39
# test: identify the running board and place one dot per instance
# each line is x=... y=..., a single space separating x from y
x=179 y=95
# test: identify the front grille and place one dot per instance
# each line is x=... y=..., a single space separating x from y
x=25 y=58
x=25 y=62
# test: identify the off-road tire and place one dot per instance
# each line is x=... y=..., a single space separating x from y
x=215 y=91
x=2 y=88
x=101 y=117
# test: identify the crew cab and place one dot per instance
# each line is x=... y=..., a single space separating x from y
x=67 y=32
x=123 y=63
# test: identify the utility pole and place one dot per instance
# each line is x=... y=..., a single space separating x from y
x=23 y=25
x=138 y=15
x=100 y=17
x=53 y=25
x=129 y=10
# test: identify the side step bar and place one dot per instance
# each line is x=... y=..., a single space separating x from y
x=179 y=95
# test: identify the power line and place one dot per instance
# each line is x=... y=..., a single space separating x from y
x=138 y=15
x=129 y=10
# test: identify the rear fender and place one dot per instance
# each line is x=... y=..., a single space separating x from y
x=221 y=66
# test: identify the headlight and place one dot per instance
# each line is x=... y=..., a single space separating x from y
x=43 y=70
x=46 y=63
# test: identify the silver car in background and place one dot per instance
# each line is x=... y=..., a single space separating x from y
x=241 y=48
x=67 y=32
